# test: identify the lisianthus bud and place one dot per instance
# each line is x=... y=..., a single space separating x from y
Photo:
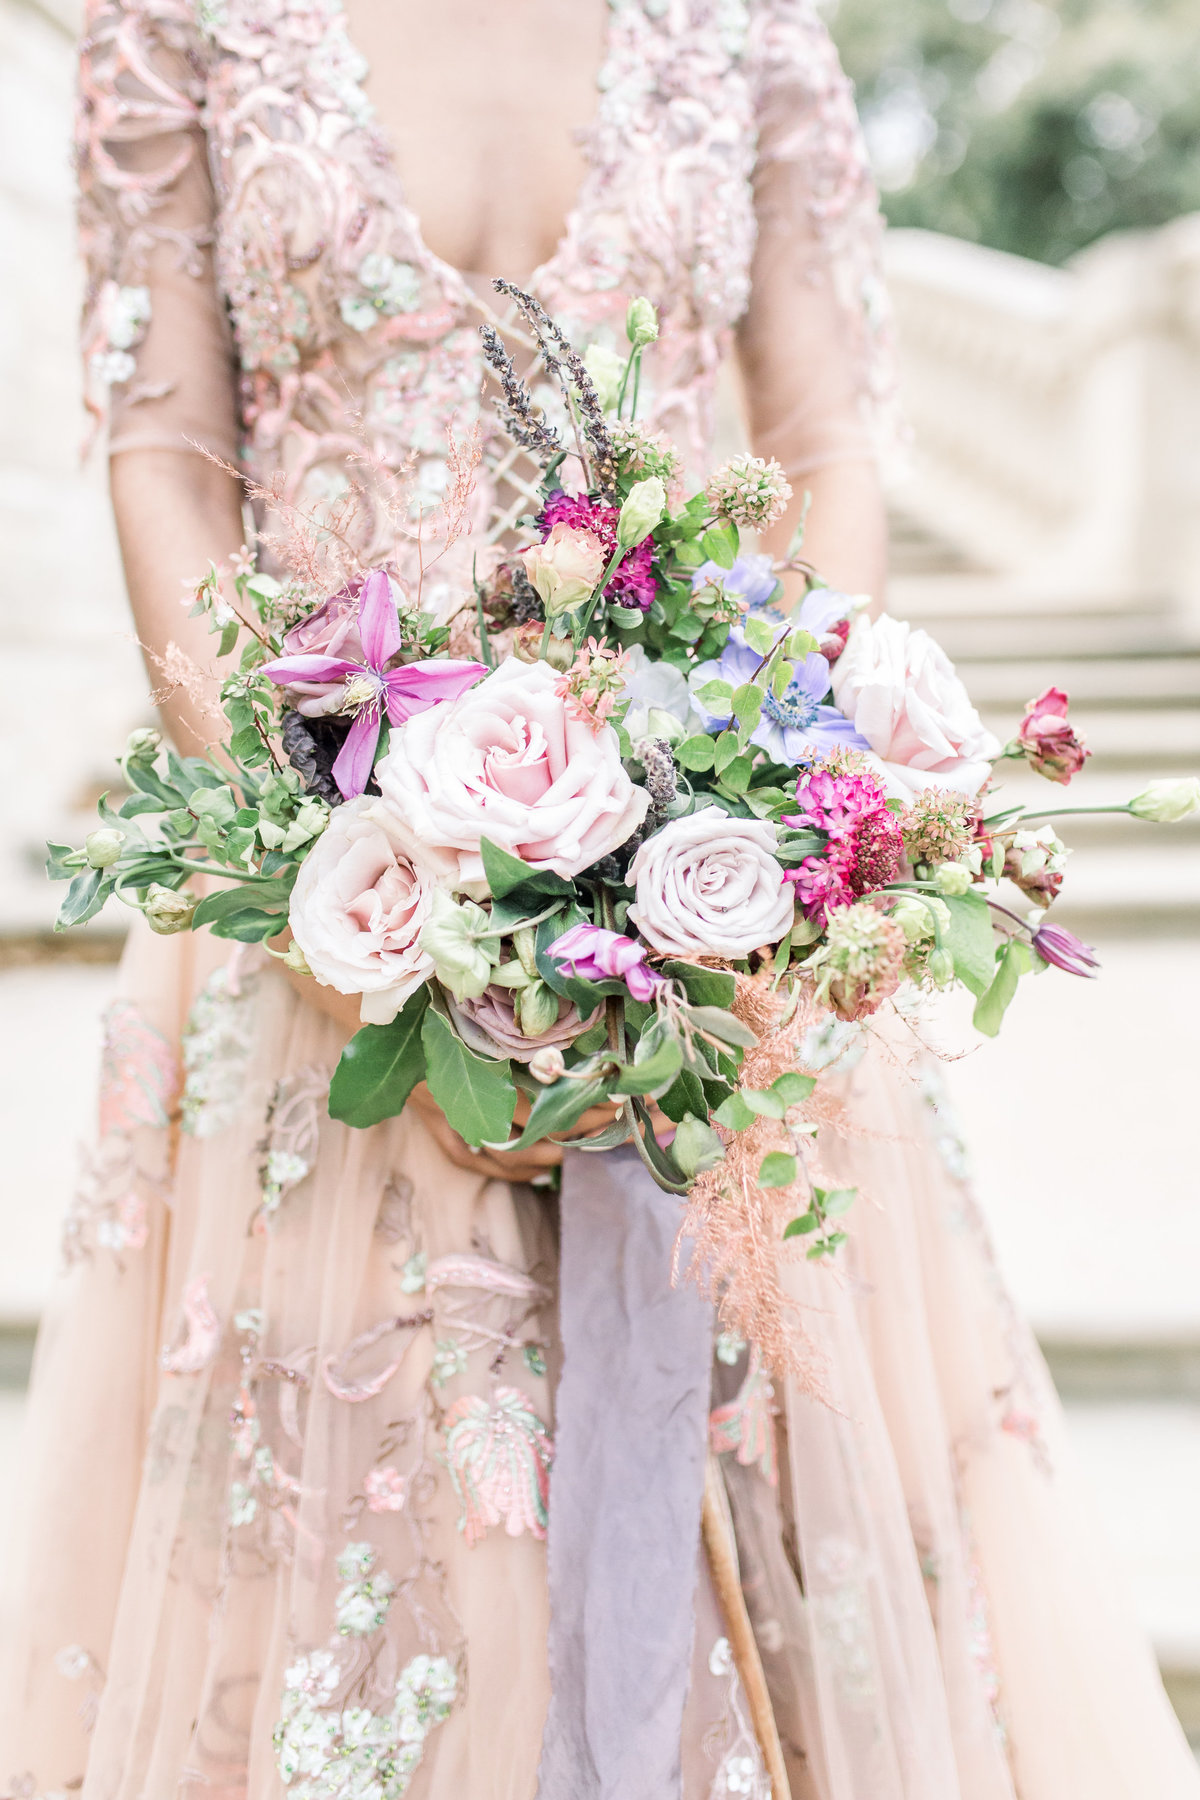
x=641 y=322
x=565 y=569
x=452 y=936
x=547 y=1065
x=940 y=968
x=695 y=1146
x=103 y=847
x=167 y=912
x=143 y=745
x=536 y=1009
x=641 y=512
x=1166 y=802
x=294 y=958
x=525 y=945
x=607 y=370
x=952 y=879
x=916 y=917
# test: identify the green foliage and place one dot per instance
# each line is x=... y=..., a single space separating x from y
x=380 y=1067
x=477 y=1096
x=1035 y=126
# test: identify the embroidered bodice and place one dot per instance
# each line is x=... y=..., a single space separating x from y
x=725 y=178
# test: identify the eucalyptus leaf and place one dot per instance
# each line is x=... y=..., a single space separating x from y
x=380 y=1067
x=720 y=1024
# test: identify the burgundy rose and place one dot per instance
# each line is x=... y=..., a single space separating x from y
x=1047 y=739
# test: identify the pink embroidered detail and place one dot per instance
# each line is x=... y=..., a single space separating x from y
x=386 y=1490
x=481 y=1272
x=335 y=1367
x=499 y=1456
x=746 y=1425
x=139 y=1074
x=202 y=1332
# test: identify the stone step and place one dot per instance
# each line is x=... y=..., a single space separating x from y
x=1158 y=741
x=1057 y=637
x=1117 y=683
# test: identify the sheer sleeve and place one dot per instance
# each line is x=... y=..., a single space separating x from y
x=157 y=347
x=815 y=340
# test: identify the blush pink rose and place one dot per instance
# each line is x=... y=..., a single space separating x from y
x=899 y=690
x=357 y=910
x=489 y=1025
x=507 y=761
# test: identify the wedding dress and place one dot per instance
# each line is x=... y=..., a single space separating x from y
x=290 y=1467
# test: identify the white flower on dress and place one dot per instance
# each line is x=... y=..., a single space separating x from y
x=720 y=1657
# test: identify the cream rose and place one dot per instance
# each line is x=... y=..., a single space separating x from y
x=506 y=761
x=357 y=910
x=709 y=885
x=899 y=689
x=566 y=569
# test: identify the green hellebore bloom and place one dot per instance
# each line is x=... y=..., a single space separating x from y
x=463 y=959
x=103 y=847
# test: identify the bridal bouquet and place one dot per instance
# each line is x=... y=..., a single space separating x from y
x=683 y=800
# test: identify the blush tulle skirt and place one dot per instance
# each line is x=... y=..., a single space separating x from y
x=287 y=1476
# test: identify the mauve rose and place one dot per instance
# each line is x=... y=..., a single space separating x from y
x=709 y=885
x=899 y=689
x=506 y=761
x=1047 y=739
x=489 y=1025
x=357 y=910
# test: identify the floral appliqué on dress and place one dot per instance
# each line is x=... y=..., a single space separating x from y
x=499 y=1455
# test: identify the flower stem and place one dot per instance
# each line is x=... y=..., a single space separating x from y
x=1072 y=812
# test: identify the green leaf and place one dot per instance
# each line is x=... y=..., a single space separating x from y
x=380 y=1067
x=760 y=634
x=695 y=753
x=246 y=745
x=229 y=637
x=835 y=1201
x=240 y=913
x=764 y=1101
x=792 y=1088
x=695 y=1146
x=716 y=697
x=62 y=862
x=970 y=941
x=734 y=1114
x=802 y=1226
x=509 y=875
x=720 y=544
x=737 y=775
x=656 y=1062
x=703 y=987
x=83 y=899
x=685 y=1095
x=747 y=706
x=726 y=750
x=477 y=1096
x=720 y=1024
x=777 y=1170
x=556 y=1109
x=1013 y=961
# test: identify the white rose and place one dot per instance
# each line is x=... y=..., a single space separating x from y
x=709 y=885
x=899 y=689
x=507 y=761
x=357 y=910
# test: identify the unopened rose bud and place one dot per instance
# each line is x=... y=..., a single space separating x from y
x=103 y=847
x=166 y=911
x=143 y=745
x=641 y=512
x=565 y=569
x=547 y=1065
x=294 y=958
x=952 y=879
x=536 y=1008
x=607 y=371
x=940 y=968
x=1166 y=802
x=641 y=322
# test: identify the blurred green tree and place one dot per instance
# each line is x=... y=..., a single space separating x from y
x=1032 y=125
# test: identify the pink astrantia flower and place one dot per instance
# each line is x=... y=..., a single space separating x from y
x=368 y=687
x=594 y=683
x=1047 y=739
x=633 y=582
x=595 y=954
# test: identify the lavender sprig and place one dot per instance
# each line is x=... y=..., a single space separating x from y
x=518 y=413
x=559 y=356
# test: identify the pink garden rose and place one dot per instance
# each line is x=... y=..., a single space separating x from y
x=709 y=885
x=899 y=689
x=1047 y=739
x=357 y=910
x=507 y=761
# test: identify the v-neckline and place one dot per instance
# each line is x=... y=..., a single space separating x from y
x=454 y=277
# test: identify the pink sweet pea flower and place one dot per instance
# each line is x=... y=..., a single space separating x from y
x=369 y=687
x=595 y=954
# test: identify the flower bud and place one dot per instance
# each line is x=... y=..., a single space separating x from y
x=103 y=847
x=451 y=936
x=143 y=745
x=547 y=1065
x=695 y=1146
x=1166 y=802
x=641 y=322
x=536 y=1009
x=525 y=945
x=940 y=968
x=641 y=512
x=166 y=911
x=952 y=879
x=294 y=958
x=607 y=371
x=916 y=916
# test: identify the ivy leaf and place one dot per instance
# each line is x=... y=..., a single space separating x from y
x=477 y=1096
x=777 y=1170
x=970 y=941
x=380 y=1067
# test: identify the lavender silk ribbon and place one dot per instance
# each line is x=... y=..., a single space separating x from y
x=626 y=1488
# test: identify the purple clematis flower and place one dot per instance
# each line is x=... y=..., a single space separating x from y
x=791 y=730
x=1055 y=944
x=369 y=687
x=595 y=954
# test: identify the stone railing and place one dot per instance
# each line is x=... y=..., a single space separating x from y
x=1056 y=412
